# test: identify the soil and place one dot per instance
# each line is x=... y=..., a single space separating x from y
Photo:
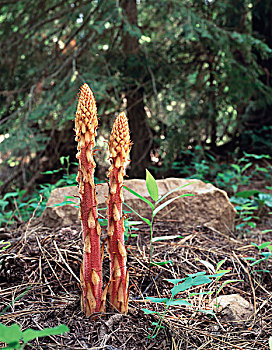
x=39 y=288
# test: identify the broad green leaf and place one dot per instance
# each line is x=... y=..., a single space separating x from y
x=174 y=280
x=188 y=283
x=139 y=196
x=267 y=254
x=266 y=198
x=198 y=280
x=157 y=300
x=152 y=186
x=160 y=207
x=270 y=343
x=10 y=334
x=31 y=334
x=140 y=216
x=262 y=246
x=180 y=302
x=174 y=190
x=165 y=238
x=246 y=194
x=148 y=312
x=10 y=194
x=197 y=274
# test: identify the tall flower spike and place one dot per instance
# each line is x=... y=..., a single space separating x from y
x=91 y=269
x=119 y=147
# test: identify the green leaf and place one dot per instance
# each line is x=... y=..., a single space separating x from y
x=139 y=196
x=220 y=264
x=152 y=186
x=198 y=280
x=140 y=216
x=161 y=263
x=174 y=280
x=246 y=166
x=180 y=302
x=31 y=334
x=197 y=274
x=246 y=194
x=157 y=300
x=10 y=194
x=188 y=283
x=270 y=343
x=160 y=207
x=262 y=246
x=174 y=190
x=266 y=198
x=165 y=238
x=148 y=312
x=10 y=334
x=267 y=231
x=227 y=282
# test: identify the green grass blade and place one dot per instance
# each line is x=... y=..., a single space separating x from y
x=139 y=196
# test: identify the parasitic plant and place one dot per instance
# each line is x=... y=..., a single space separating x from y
x=91 y=268
x=119 y=147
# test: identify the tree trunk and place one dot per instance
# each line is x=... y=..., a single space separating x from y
x=259 y=121
x=141 y=135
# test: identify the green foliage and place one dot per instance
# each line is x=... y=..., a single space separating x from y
x=152 y=188
x=201 y=70
x=17 y=206
x=264 y=257
x=242 y=172
x=185 y=284
x=15 y=338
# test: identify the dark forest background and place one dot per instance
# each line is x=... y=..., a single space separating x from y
x=193 y=76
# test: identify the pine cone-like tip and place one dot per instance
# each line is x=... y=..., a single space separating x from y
x=120 y=139
x=86 y=114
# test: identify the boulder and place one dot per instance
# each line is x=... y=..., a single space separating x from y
x=208 y=206
x=232 y=307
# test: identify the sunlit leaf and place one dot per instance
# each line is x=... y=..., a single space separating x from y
x=139 y=196
x=152 y=186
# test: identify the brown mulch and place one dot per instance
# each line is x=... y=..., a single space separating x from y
x=39 y=287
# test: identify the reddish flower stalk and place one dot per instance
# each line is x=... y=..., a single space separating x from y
x=91 y=268
x=119 y=147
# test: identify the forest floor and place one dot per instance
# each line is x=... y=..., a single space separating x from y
x=39 y=287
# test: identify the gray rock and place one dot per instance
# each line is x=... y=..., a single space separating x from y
x=209 y=206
